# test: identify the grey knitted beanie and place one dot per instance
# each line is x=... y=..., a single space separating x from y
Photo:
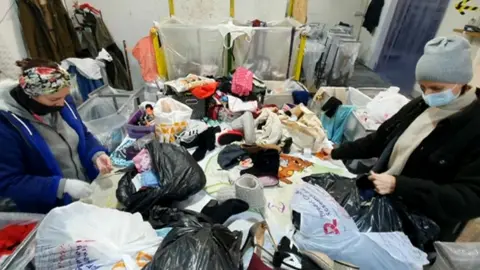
x=446 y=60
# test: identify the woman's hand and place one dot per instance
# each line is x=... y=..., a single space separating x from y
x=104 y=164
x=77 y=189
x=384 y=183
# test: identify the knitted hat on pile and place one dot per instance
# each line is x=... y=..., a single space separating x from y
x=446 y=60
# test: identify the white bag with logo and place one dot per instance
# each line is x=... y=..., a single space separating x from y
x=326 y=227
x=82 y=236
x=171 y=118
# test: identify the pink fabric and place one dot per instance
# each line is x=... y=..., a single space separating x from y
x=268 y=181
x=145 y=55
x=242 y=82
x=142 y=161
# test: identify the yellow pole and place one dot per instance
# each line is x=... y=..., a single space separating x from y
x=171 y=7
x=159 y=54
x=232 y=9
x=300 y=55
x=291 y=4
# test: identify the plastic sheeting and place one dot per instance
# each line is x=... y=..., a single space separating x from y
x=179 y=176
x=268 y=53
x=337 y=63
x=346 y=56
x=313 y=52
x=191 y=49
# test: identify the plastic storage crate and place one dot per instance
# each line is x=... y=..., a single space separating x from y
x=135 y=131
x=354 y=128
x=25 y=252
x=108 y=90
x=271 y=53
x=192 y=49
x=106 y=115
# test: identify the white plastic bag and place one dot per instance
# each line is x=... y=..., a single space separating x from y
x=171 y=118
x=320 y=214
x=463 y=256
x=326 y=227
x=82 y=236
x=385 y=105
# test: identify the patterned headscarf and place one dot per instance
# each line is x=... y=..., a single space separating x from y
x=39 y=81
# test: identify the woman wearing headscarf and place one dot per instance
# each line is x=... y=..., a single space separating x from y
x=48 y=156
x=429 y=152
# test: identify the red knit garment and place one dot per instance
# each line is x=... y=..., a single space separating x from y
x=12 y=235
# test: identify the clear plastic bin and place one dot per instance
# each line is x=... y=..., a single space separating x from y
x=25 y=252
x=106 y=115
x=267 y=54
x=108 y=90
x=192 y=49
x=354 y=128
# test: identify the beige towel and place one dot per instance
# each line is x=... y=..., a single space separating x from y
x=421 y=127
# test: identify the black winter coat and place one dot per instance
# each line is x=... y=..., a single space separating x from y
x=441 y=178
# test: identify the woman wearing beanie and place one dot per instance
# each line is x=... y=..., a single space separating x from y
x=48 y=156
x=429 y=152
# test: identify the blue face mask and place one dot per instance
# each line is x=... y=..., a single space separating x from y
x=440 y=99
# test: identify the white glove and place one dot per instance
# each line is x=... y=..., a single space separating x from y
x=77 y=188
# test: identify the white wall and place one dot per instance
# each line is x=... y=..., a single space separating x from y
x=10 y=30
x=334 y=11
x=372 y=44
x=453 y=19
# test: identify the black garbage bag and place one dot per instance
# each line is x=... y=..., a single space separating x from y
x=179 y=176
x=374 y=213
x=200 y=247
x=161 y=217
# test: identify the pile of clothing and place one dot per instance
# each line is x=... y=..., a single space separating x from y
x=201 y=87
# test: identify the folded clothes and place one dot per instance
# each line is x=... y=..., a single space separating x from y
x=242 y=82
x=205 y=91
x=142 y=161
x=149 y=179
x=191 y=81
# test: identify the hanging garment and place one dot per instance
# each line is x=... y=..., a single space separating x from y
x=59 y=43
x=95 y=36
x=372 y=17
x=116 y=70
x=88 y=67
x=145 y=55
